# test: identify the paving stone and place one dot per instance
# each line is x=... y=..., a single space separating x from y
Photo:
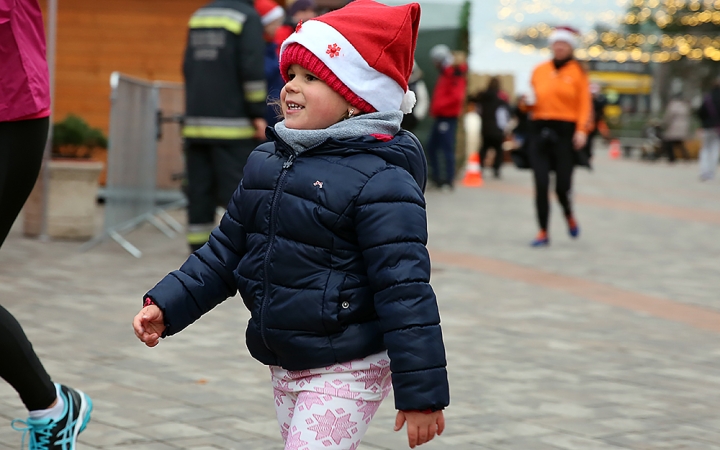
x=533 y=364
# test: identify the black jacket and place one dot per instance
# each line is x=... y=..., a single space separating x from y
x=328 y=252
x=224 y=72
x=489 y=102
x=709 y=112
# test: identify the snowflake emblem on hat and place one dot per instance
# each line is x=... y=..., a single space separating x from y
x=333 y=50
x=299 y=27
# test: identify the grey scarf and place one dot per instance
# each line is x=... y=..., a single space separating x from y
x=364 y=125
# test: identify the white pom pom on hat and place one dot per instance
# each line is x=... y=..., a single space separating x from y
x=408 y=102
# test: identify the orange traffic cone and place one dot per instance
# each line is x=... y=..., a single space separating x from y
x=473 y=175
x=614 y=149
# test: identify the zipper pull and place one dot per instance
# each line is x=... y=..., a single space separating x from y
x=288 y=164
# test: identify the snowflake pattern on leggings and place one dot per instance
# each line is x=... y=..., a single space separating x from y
x=294 y=442
x=336 y=426
x=330 y=407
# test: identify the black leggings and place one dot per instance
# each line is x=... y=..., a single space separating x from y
x=551 y=149
x=495 y=143
x=21 y=149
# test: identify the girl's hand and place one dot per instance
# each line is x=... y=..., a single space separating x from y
x=149 y=325
x=421 y=427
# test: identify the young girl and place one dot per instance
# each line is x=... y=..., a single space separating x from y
x=325 y=240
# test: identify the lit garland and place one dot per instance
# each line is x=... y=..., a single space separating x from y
x=643 y=47
x=674 y=12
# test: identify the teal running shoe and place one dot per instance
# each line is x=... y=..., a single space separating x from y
x=62 y=433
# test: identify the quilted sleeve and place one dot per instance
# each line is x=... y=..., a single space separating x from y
x=391 y=226
x=206 y=279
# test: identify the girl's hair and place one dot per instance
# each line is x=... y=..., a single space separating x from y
x=494 y=84
x=276 y=104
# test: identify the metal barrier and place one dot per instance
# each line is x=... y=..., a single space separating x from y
x=136 y=123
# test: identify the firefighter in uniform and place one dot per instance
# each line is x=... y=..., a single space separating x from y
x=225 y=95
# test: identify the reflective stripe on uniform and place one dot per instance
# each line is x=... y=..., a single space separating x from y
x=199 y=234
x=198 y=238
x=218 y=128
x=255 y=91
x=225 y=18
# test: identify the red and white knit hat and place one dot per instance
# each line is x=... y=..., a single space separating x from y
x=363 y=51
x=565 y=34
x=269 y=11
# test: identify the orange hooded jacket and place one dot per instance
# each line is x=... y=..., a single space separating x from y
x=562 y=94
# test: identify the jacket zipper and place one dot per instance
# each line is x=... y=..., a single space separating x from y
x=271 y=240
x=271 y=237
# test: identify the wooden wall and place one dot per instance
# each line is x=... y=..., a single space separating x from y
x=144 y=38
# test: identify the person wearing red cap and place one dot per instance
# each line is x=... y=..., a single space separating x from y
x=326 y=241
x=447 y=102
x=271 y=16
x=298 y=11
x=561 y=109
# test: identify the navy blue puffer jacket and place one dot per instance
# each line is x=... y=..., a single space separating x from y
x=327 y=249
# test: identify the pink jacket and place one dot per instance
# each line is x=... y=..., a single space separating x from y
x=24 y=77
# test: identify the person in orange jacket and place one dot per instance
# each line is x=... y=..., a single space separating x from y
x=561 y=114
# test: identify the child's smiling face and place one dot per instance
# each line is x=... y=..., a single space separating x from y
x=308 y=103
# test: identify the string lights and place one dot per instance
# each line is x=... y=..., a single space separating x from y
x=652 y=30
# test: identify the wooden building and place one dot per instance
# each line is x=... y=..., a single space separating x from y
x=144 y=38
x=94 y=38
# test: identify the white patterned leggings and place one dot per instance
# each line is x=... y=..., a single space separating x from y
x=330 y=408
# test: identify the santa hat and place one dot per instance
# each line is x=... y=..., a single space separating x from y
x=363 y=51
x=565 y=34
x=269 y=11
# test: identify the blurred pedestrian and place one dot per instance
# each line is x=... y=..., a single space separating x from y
x=57 y=413
x=420 y=110
x=523 y=125
x=597 y=123
x=225 y=96
x=271 y=16
x=298 y=11
x=710 y=132
x=326 y=241
x=495 y=115
x=561 y=107
x=676 y=127
x=446 y=106
x=521 y=134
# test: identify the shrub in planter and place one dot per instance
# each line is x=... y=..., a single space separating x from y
x=73 y=175
x=74 y=138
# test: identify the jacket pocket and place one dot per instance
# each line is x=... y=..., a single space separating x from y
x=331 y=305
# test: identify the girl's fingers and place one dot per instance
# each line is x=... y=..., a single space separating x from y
x=137 y=324
x=441 y=424
x=431 y=432
x=136 y=329
x=412 y=436
x=152 y=341
x=399 y=420
x=422 y=435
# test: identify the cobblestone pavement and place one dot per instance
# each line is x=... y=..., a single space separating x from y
x=608 y=342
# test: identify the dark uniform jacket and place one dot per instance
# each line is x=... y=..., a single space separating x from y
x=224 y=72
x=327 y=249
x=709 y=111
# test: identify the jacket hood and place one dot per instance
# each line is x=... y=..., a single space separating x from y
x=404 y=150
